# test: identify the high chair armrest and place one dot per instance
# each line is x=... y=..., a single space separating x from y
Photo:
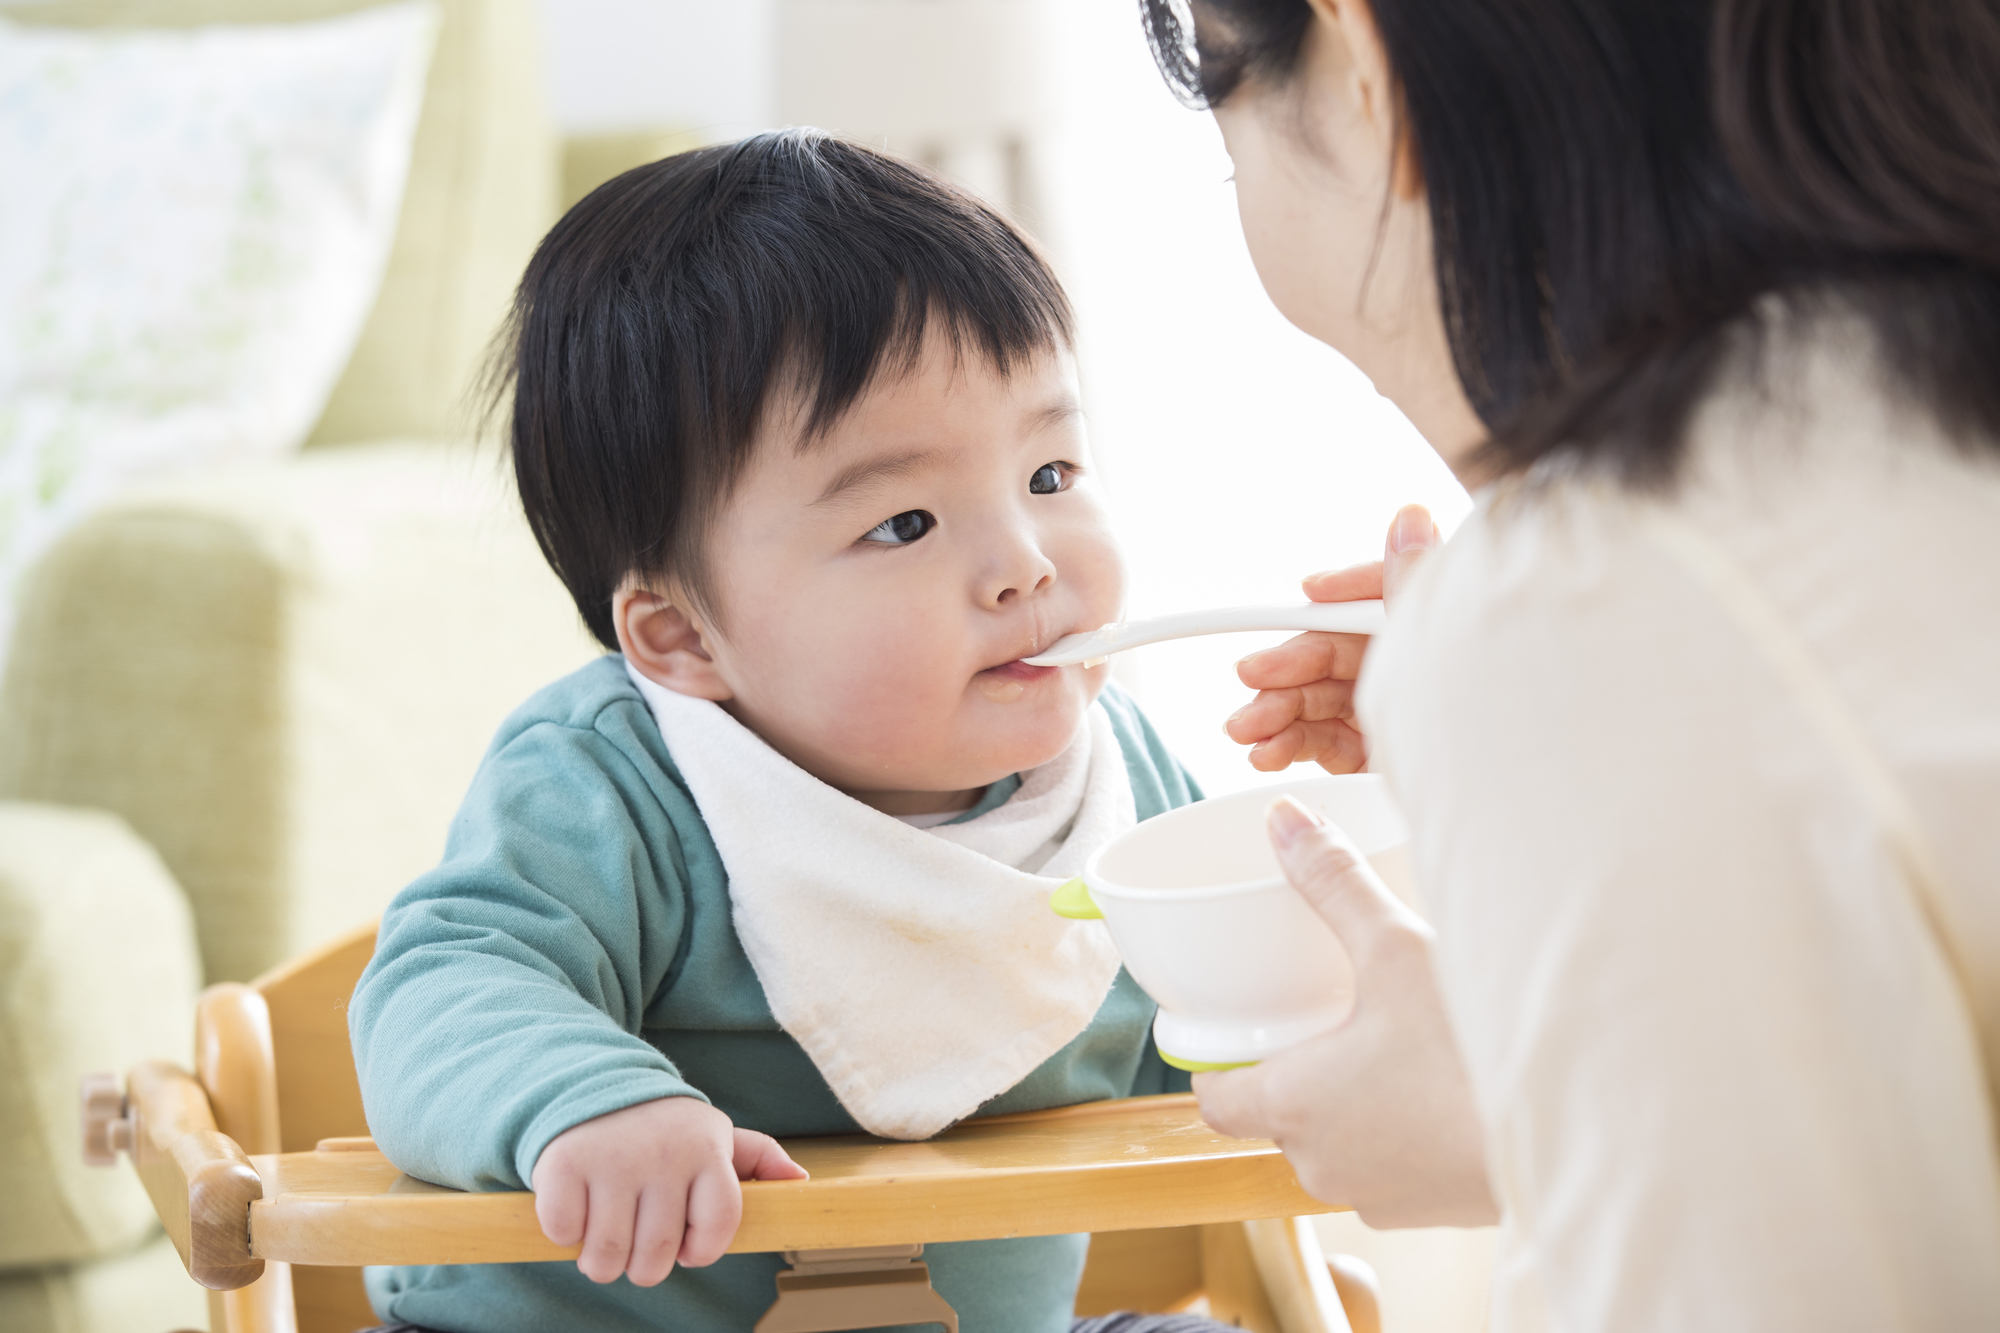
x=200 y=1181
x=1105 y=1166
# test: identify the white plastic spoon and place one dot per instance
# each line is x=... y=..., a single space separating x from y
x=1093 y=646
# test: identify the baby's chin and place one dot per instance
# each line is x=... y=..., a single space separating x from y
x=1024 y=723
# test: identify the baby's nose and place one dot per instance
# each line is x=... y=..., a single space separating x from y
x=1015 y=593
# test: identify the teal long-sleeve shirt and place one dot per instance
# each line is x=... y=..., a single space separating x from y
x=574 y=954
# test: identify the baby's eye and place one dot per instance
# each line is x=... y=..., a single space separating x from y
x=1049 y=478
x=903 y=529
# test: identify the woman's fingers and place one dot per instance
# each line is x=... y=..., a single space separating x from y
x=761 y=1157
x=1411 y=537
x=656 y=1236
x=1300 y=661
x=1341 y=886
x=1274 y=710
x=1375 y=1114
x=1335 y=746
x=607 y=1232
x=1356 y=583
x=714 y=1207
x=1309 y=679
x=1232 y=1102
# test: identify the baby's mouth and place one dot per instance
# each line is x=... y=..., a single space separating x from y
x=1020 y=670
x=1009 y=681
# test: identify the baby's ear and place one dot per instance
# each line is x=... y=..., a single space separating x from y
x=663 y=643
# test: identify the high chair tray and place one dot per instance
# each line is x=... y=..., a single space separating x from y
x=1102 y=1166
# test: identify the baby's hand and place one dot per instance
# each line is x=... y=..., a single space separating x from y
x=651 y=1185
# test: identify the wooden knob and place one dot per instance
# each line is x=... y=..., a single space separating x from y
x=107 y=1128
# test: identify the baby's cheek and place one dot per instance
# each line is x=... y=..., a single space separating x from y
x=1090 y=561
x=888 y=703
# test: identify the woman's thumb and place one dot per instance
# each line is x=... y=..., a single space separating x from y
x=1412 y=536
x=1332 y=876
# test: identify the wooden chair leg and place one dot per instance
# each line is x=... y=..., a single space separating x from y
x=237 y=1066
x=1229 y=1280
x=1157 y=1271
x=1360 y=1291
x=265 y=1306
x=1270 y=1277
x=1293 y=1267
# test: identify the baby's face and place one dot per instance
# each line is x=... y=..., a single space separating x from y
x=876 y=592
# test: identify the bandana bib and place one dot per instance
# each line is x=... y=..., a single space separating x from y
x=921 y=970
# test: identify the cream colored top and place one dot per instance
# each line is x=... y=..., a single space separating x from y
x=1683 y=772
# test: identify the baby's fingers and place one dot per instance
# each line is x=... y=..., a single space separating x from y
x=607 y=1233
x=657 y=1235
x=760 y=1157
x=560 y=1206
x=714 y=1209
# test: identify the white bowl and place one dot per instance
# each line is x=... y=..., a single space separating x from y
x=1241 y=967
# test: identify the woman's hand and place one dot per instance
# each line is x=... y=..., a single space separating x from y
x=650 y=1186
x=1304 y=709
x=1377 y=1114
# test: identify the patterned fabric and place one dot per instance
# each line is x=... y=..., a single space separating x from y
x=267 y=164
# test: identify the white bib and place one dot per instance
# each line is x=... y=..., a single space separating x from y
x=921 y=970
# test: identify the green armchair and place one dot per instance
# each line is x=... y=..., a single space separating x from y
x=240 y=708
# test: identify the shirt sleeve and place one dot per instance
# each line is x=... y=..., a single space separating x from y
x=1727 y=1079
x=508 y=987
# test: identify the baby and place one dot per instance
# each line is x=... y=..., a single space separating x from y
x=796 y=423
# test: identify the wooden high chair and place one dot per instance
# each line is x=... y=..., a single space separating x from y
x=258 y=1169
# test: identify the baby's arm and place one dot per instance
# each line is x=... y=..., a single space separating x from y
x=650 y=1186
x=497 y=1031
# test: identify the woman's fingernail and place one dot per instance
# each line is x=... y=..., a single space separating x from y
x=1289 y=820
x=1235 y=715
x=1413 y=528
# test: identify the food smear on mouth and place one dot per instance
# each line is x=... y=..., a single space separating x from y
x=1000 y=689
x=1006 y=683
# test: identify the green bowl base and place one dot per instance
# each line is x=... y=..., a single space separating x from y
x=1203 y=1066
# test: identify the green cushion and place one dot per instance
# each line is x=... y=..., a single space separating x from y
x=283 y=676
x=482 y=191
x=98 y=971
x=144 y=1291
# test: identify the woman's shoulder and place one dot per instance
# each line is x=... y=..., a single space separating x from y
x=1839 y=501
x=1825 y=551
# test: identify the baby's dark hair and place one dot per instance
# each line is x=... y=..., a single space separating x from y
x=664 y=312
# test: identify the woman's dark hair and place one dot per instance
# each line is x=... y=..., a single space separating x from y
x=1614 y=183
x=661 y=317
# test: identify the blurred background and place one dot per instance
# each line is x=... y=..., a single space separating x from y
x=263 y=597
x=1241 y=454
